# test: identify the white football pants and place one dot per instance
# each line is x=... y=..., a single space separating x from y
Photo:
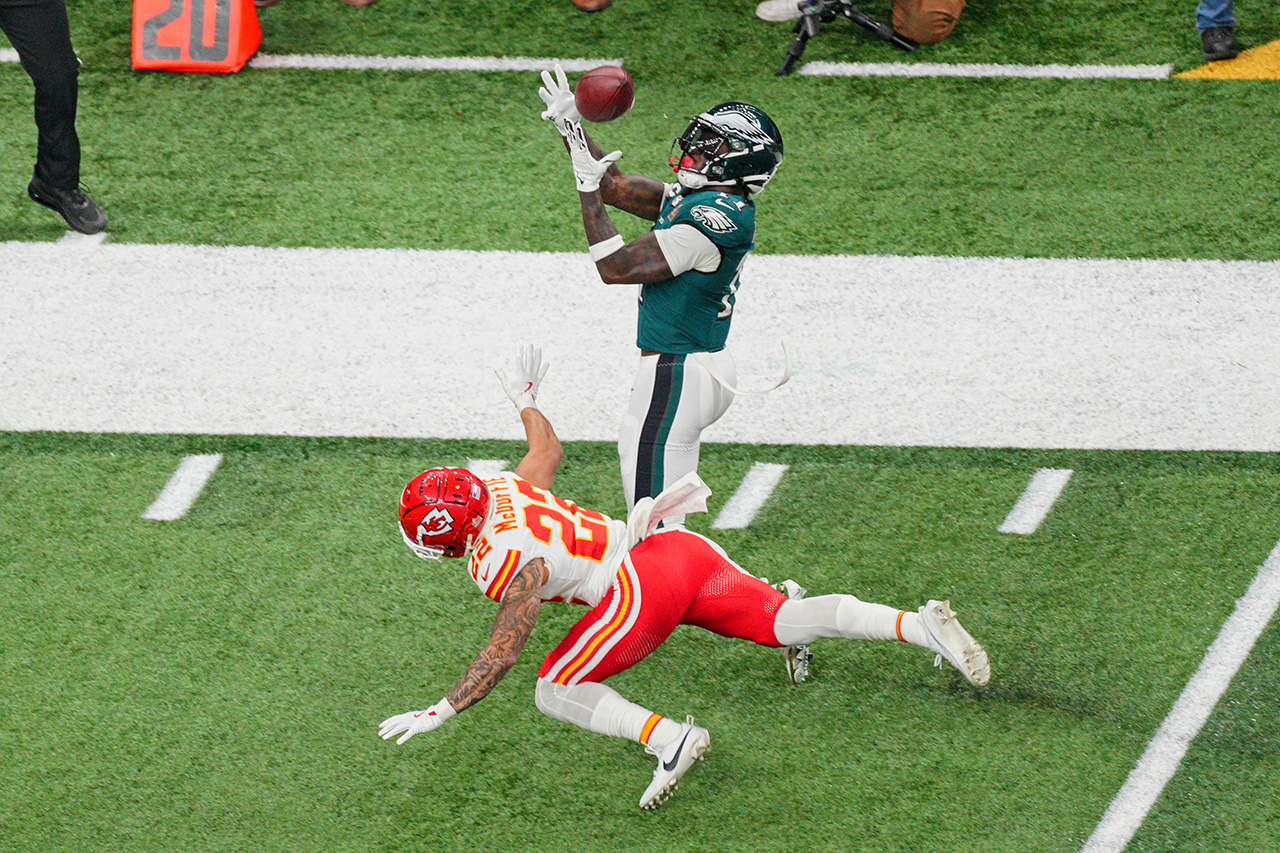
x=673 y=399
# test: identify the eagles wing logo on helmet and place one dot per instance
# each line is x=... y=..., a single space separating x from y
x=744 y=122
x=717 y=220
x=435 y=523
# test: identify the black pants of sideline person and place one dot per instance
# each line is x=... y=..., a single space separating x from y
x=40 y=34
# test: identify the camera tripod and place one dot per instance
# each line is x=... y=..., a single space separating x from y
x=815 y=13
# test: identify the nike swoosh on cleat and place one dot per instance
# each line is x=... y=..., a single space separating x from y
x=679 y=749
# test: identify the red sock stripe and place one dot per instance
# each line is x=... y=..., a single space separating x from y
x=897 y=626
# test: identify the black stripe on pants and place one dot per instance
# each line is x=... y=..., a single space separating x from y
x=667 y=378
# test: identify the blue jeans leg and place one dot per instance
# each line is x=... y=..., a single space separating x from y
x=1215 y=13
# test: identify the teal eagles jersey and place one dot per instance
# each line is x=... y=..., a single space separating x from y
x=691 y=312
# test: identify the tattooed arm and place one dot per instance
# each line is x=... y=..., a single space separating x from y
x=636 y=194
x=511 y=629
x=599 y=183
x=639 y=262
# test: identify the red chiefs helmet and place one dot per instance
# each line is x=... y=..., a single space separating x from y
x=442 y=512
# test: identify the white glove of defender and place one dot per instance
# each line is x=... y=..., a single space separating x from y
x=586 y=169
x=522 y=386
x=416 y=722
x=558 y=97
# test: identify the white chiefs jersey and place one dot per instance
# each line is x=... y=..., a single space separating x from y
x=582 y=549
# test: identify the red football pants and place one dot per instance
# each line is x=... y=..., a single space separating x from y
x=674 y=577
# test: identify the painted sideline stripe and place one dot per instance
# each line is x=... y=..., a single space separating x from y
x=1036 y=501
x=350 y=62
x=1200 y=348
x=1165 y=752
x=754 y=490
x=944 y=69
x=183 y=487
x=8 y=55
x=78 y=240
x=486 y=467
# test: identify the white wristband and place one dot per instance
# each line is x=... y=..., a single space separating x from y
x=443 y=710
x=605 y=248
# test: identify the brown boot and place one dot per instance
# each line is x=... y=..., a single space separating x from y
x=591 y=5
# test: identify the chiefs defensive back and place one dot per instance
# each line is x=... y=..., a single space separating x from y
x=525 y=546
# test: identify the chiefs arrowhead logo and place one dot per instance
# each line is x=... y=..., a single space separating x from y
x=435 y=523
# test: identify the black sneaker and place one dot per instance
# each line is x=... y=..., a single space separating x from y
x=81 y=212
x=1219 y=43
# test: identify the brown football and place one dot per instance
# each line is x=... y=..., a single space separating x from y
x=604 y=93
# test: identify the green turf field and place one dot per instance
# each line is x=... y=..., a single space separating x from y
x=1171 y=168
x=215 y=683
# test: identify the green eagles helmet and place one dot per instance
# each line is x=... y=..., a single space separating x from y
x=752 y=155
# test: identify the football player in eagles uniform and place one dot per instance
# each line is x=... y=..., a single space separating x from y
x=690 y=266
x=524 y=546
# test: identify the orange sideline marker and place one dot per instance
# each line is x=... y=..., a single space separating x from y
x=216 y=36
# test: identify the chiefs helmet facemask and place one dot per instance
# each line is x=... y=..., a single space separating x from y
x=443 y=511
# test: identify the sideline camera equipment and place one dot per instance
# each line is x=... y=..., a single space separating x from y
x=815 y=13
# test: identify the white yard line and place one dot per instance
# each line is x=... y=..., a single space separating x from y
x=750 y=497
x=941 y=69
x=351 y=62
x=1165 y=752
x=423 y=63
x=1036 y=501
x=183 y=487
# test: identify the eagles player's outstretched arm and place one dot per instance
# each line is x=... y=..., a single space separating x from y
x=639 y=262
x=638 y=195
x=642 y=260
x=512 y=626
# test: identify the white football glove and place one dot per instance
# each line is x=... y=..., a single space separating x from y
x=587 y=170
x=522 y=386
x=558 y=97
x=416 y=722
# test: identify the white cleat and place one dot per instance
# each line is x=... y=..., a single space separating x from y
x=778 y=10
x=949 y=639
x=674 y=760
x=798 y=657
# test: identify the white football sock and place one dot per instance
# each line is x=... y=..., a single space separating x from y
x=801 y=621
x=601 y=709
